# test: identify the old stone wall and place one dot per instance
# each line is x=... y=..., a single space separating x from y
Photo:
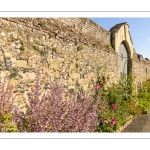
x=141 y=70
x=69 y=49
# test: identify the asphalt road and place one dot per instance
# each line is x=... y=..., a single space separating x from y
x=140 y=124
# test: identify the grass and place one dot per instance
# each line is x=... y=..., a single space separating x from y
x=80 y=47
x=42 y=23
x=41 y=52
x=22 y=48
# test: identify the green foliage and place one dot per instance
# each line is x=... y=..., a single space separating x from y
x=54 y=49
x=108 y=46
x=42 y=23
x=144 y=97
x=77 y=66
x=80 y=47
x=41 y=52
x=80 y=69
x=12 y=75
x=95 y=44
x=7 y=124
x=117 y=103
x=36 y=48
x=22 y=48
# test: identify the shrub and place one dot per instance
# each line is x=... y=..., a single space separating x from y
x=7 y=123
x=48 y=112
x=117 y=103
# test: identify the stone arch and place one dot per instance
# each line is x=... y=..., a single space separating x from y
x=120 y=34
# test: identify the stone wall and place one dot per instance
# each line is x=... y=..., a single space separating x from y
x=69 y=49
x=141 y=69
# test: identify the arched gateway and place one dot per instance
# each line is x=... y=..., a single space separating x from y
x=122 y=43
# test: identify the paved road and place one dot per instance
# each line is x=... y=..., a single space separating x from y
x=140 y=124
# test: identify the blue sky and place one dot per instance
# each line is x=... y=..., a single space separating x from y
x=139 y=29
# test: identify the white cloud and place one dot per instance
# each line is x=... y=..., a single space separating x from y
x=148 y=39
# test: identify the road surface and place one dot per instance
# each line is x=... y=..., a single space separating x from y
x=140 y=124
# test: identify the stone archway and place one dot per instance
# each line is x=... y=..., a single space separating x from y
x=120 y=33
x=122 y=43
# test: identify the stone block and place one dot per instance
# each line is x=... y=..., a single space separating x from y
x=8 y=54
x=4 y=73
x=75 y=76
x=29 y=76
x=2 y=42
x=21 y=63
x=2 y=33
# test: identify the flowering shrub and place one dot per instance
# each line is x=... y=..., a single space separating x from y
x=117 y=103
x=48 y=112
x=6 y=106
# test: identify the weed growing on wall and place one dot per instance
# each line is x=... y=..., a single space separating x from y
x=42 y=23
x=80 y=47
x=54 y=49
x=22 y=48
x=13 y=74
x=108 y=46
x=41 y=52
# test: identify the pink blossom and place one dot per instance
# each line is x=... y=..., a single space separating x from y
x=97 y=86
x=114 y=107
x=103 y=119
x=113 y=121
